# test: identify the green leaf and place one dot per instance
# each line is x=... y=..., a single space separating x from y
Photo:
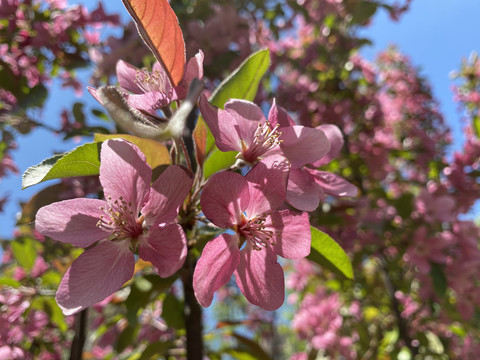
x=84 y=160
x=6 y=281
x=24 y=252
x=155 y=350
x=476 y=126
x=252 y=348
x=126 y=338
x=439 y=279
x=48 y=304
x=143 y=290
x=326 y=252
x=172 y=312
x=242 y=83
x=217 y=161
x=78 y=113
x=363 y=12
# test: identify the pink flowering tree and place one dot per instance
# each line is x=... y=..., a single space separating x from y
x=201 y=222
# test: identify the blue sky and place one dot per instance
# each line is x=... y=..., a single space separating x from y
x=435 y=34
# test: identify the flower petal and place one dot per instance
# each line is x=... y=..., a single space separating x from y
x=303 y=192
x=94 y=275
x=292 y=235
x=150 y=101
x=219 y=259
x=260 y=278
x=72 y=221
x=335 y=138
x=224 y=198
x=222 y=125
x=279 y=115
x=193 y=70
x=127 y=76
x=165 y=247
x=267 y=183
x=124 y=172
x=247 y=117
x=333 y=184
x=167 y=195
x=303 y=145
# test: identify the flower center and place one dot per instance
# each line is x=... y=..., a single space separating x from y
x=266 y=138
x=120 y=220
x=255 y=232
x=155 y=81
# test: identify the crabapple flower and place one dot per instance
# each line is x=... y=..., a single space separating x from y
x=152 y=90
x=135 y=217
x=307 y=186
x=242 y=127
x=248 y=206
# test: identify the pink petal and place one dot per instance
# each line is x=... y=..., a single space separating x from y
x=165 y=247
x=94 y=275
x=94 y=93
x=247 y=117
x=193 y=70
x=279 y=115
x=222 y=125
x=267 y=183
x=72 y=221
x=292 y=235
x=125 y=173
x=333 y=184
x=150 y=101
x=303 y=145
x=127 y=75
x=260 y=278
x=167 y=194
x=303 y=192
x=219 y=259
x=224 y=198
x=335 y=138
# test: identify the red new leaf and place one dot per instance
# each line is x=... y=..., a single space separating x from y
x=158 y=26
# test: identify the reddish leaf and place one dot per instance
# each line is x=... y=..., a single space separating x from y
x=200 y=140
x=158 y=26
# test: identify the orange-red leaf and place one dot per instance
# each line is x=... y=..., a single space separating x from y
x=158 y=26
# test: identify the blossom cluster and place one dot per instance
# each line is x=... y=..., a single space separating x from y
x=136 y=219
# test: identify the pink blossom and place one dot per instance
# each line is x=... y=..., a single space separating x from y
x=307 y=185
x=242 y=127
x=248 y=206
x=153 y=90
x=136 y=217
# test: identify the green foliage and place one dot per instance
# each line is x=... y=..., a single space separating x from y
x=153 y=350
x=84 y=160
x=326 y=252
x=25 y=252
x=145 y=289
x=172 y=312
x=247 y=349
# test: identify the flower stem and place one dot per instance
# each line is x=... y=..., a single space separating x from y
x=192 y=312
x=76 y=350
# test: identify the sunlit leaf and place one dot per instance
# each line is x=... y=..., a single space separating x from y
x=24 y=252
x=84 y=160
x=326 y=252
x=158 y=26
